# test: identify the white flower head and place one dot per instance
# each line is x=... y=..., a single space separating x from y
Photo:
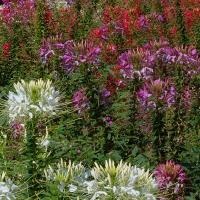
x=126 y=181
x=31 y=98
x=7 y=188
x=91 y=186
x=72 y=188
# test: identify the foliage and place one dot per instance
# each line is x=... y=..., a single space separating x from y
x=128 y=72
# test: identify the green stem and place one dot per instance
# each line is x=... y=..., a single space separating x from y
x=134 y=85
x=197 y=35
x=31 y=153
x=158 y=136
x=181 y=23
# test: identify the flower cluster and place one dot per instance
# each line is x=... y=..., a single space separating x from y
x=171 y=179
x=157 y=94
x=20 y=11
x=157 y=58
x=72 y=54
x=67 y=177
x=61 y=3
x=31 y=98
x=7 y=188
x=121 y=181
x=80 y=101
x=17 y=128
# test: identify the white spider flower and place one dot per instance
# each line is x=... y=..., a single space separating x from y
x=72 y=188
x=124 y=181
x=66 y=175
x=7 y=188
x=65 y=172
x=31 y=98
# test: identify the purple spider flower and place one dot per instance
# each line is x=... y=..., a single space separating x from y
x=70 y=2
x=146 y=72
x=46 y=52
x=143 y=96
x=125 y=62
x=77 y=54
x=167 y=55
x=143 y=22
x=156 y=93
x=105 y=94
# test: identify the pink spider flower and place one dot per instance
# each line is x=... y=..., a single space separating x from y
x=80 y=101
x=170 y=178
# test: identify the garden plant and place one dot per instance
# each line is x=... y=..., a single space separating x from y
x=100 y=99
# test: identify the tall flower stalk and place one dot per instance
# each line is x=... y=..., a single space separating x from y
x=158 y=135
x=30 y=102
x=156 y=97
x=31 y=156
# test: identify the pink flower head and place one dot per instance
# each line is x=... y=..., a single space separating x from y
x=108 y=120
x=171 y=178
x=18 y=129
x=80 y=101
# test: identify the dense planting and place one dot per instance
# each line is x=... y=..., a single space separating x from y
x=100 y=99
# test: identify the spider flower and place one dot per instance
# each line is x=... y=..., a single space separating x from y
x=32 y=98
x=80 y=101
x=136 y=63
x=142 y=23
x=121 y=181
x=18 y=129
x=67 y=177
x=170 y=178
x=7 y=188
x=76 y=54
x=157 y=94
x=125 y=63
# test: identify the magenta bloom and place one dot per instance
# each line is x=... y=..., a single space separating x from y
x=137 y=63
x=143 y=95
x=143 y=22
x=46 y=52
x=170 y=178
x=157 y=94
x=108 y=120
x=18 y=129
x=80 y=101
x=76 y=54
x=125 y=62
x=71 y=54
